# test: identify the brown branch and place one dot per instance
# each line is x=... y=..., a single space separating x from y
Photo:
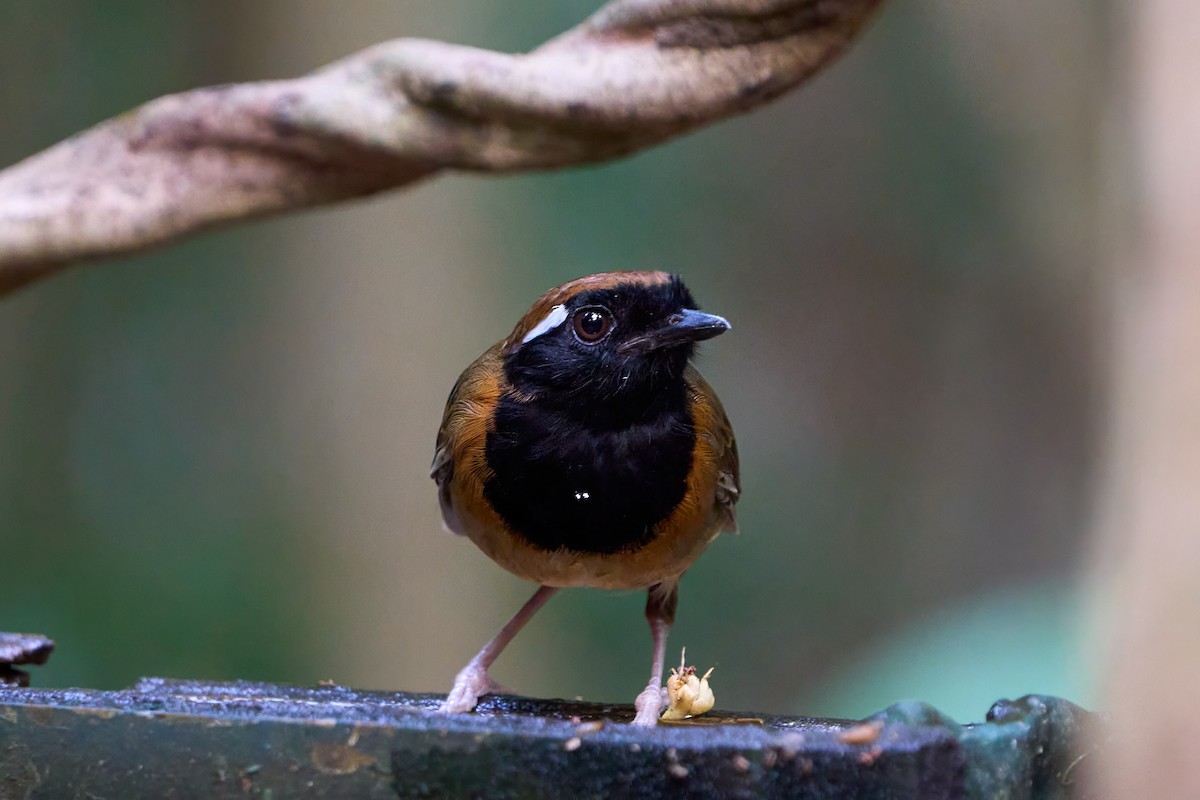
x=634 y=74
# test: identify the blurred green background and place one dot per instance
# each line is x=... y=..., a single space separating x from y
x=215 y=456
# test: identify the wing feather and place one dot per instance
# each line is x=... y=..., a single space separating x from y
x=462 y=437
x=712 y=423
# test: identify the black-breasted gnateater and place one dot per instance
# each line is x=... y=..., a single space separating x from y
x=584 y=450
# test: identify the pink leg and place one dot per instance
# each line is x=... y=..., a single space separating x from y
x=473 y=680
x=660 y=613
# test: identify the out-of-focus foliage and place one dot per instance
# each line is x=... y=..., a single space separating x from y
x=1025 y=639
x=215 y=456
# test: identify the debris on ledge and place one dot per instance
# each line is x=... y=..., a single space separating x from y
x=20 y=649
x=238 y=739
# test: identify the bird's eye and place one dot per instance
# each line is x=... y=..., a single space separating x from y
x=592 y=323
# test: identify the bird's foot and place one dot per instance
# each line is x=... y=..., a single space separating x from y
x=649 y=705
x=471 y=683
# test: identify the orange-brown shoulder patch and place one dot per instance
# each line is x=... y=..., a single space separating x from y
x=460 y=464
x=561 y=294
x=714 y=482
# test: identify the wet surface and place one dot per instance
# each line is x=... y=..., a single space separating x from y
x=241 y=738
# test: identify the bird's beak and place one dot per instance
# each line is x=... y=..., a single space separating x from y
x=684 y=327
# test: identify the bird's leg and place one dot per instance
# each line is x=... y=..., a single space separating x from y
x=660 y=613
x=473 y=680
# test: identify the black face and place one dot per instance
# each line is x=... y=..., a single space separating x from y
x=614 y=347
x=592 y=447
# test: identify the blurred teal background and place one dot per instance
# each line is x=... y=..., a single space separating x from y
x=215 y=456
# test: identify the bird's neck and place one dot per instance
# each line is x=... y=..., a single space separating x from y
x=634 y=406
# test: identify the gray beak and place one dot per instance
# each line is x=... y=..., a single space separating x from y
x=684 y=327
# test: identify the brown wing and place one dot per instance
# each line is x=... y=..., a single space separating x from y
x=462 y=437
x=718 y=445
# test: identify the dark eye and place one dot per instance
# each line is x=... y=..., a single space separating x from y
x=592 y=324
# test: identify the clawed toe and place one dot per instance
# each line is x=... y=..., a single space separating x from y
x=471 y=684
x=649 y=705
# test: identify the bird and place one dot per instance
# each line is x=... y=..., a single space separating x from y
x=584 y=449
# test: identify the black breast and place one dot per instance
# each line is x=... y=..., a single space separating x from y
x=561 y=482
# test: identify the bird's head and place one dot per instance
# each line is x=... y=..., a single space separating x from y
x=607 y=338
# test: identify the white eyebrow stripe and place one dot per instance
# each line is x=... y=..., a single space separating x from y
x=556 y=317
